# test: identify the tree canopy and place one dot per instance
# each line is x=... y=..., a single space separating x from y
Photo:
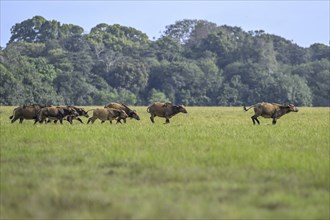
x=194 y=62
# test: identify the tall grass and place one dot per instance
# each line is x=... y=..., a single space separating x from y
x=209 y=163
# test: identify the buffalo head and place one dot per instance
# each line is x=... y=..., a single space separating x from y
x=293 y=108
x=181 y=108
x=133 y=114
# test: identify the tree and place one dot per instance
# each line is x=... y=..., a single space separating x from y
x=157 y=96
x=194 y=62
x=222 y=43
x=117 y=38
x=10 y=88
x=288 y=52
x=28 y=30
x=212 y=79
x=179 y=81
x=74 y=89
x=166 y=48
x=319 y=51
x=40 y=30
x=291 y=89
x=181 y=30
x=317 y=74
x=128 y=74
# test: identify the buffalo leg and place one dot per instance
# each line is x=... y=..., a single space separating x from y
x=274 y=121
x=69 y=119
x=152 y=118
x=91 y=119
x=13 y=120
x=255 y=119
x=80 y=120
x=167 y=120
x=119 y=120
x=21 y=120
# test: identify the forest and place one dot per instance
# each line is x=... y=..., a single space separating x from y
x=194 y=62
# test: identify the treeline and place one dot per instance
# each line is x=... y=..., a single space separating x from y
x=194 y=62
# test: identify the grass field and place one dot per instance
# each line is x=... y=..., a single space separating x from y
x=209 y=163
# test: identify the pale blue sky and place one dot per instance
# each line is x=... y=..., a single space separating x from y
x=304 y=22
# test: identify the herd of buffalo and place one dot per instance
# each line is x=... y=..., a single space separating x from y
x=119 y=111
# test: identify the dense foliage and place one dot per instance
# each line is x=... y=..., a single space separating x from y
x=194 y=62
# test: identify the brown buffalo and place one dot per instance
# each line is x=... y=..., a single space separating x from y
x=56 y=113
x=28 y=112
x=69 y=118
x=270 y=110
x=120 y=106
x=107 y=114
x=164 y=110
x=80 y=111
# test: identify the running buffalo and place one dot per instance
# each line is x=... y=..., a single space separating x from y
x=164 y=110
x=28 y=112
x=120 y=106
x=56 y=113
x=270 y=110
x=107 y=114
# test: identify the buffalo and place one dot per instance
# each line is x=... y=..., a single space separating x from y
x=80 y=112
x=270 y=110
x=107 y=114
x=164 y=110
x=120 y=106
x=28 y=112
x=69 y=118
x=56 y=113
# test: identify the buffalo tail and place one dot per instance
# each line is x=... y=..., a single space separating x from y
x=247 y=109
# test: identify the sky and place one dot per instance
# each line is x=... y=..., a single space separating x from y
x=303 y=22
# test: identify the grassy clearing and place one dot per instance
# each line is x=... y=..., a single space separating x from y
x=210 y=163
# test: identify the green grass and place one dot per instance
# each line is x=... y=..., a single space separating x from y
x=209 y=163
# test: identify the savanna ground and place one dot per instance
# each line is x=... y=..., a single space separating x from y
x=209 y=163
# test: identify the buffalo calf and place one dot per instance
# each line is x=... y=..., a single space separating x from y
x=120 y=106
x=107 y=114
